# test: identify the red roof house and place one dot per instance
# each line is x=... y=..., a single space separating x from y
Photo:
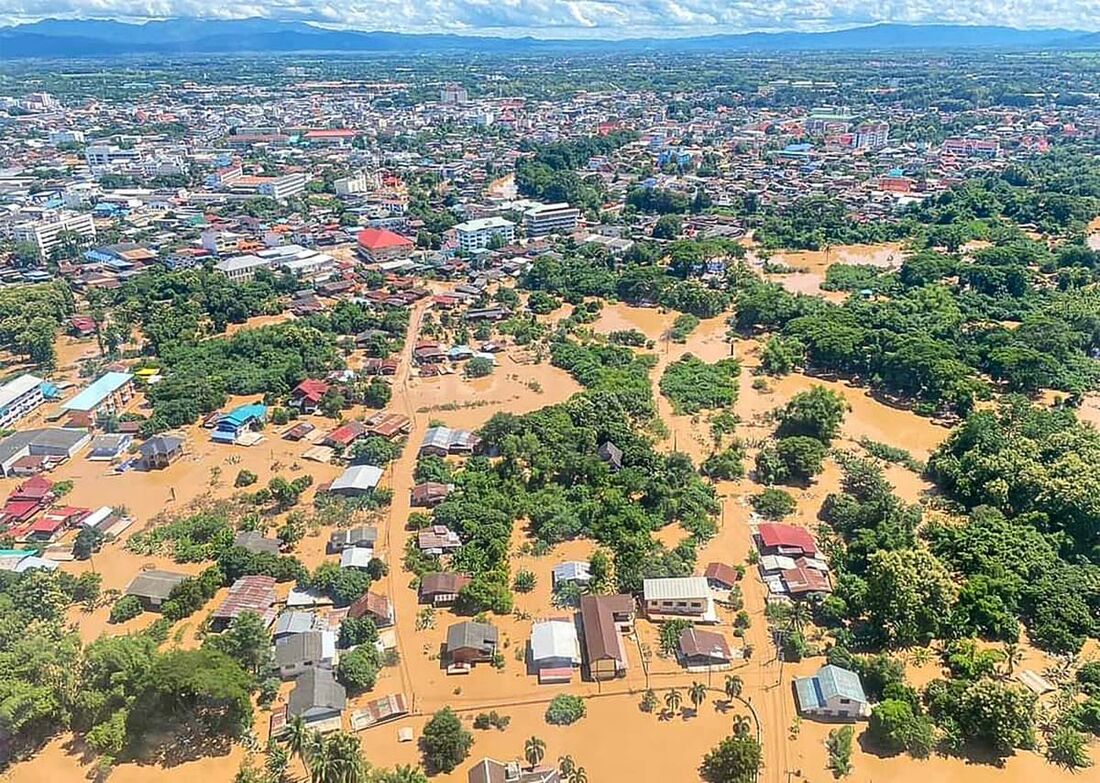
x=307 y=395
x=783 y=539
x=379 y=244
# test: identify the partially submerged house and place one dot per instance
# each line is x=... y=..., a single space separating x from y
x=303 y=651
x=254 y=542
x=492 y=771
x=356 y=480
x=307 y=395
x=429 y=494
x=471 y=642
x=704 y=650
x=683 y=597
x=555 y=649
x=441 y=588
x=160 y=451
x=604 y=620
x=363 y=536
x=832 y=693
x=241 y=419
x=572 y=571
x=377 y=607
x=152 y=588
x=611 y=454
x=438 y=540
x=28 y=452
x=110 y=446
x=441 y=441
x=318 y=699
x=251 y=593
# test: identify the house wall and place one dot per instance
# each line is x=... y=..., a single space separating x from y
x=604 y=669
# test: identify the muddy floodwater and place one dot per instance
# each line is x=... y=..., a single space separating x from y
x=809 y=266
x=616 y=742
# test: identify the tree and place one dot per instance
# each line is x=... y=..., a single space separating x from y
x=445 y=742
x=246 y=641
x=88 y=542
x=894 y=727
x=358 y=668
x=332 y=403
x=579 y=775
x=673 y=700
x=734 y=760
x=1068 y=748
x=245 y=478
x=355 y=631
x=126 y=608
x=565 y=709
x=566 y=766
x=479 y=367
x=698 y=695
x=816 y=413
x=733 y=686
x=534 y=750
x=666 y=227
x=773 y=503
x=797 y=458
x=909 y=594
x=1014 y=655
x=297 y=737
x=649 y=701
x=839 y=745
x=742 y=726
x=525 y=581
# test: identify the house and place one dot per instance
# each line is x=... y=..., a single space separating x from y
x=604 y=619
x=378 y=244
x=254 y=542
x=106 y=395
x=429 y=494
x=611 y=454
x=356 y=557
x=555 y=650
x=318 y=699
x=252 y=593
x=242 y=418
x=704 y=650
x=27 y=452
x=492 y=771
x=307 y=395
x=160 y=451
x=298 y=431
x=363 y=536
x=438 y=540
x=575 y=571
x=441 y=588
x=778 y=539
x=294 y=622
x=303 y=651
x=805 y=579
x=345 y=435
x=18 y=397
x=441 y=441
x=470 y=642
x=832 y=693
x=152 y=588
x=720 y=576
x=390 y=426
x=356 y=480
x=108 y=447
x=377 y=607
x=686 y=597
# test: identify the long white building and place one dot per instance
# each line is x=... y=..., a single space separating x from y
x=550 y=219
x=45 y=234
x=18 y=397
x=285 y=186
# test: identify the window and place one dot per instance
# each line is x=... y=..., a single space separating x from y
x=845 y=701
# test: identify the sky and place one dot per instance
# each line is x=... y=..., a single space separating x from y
x=583 y=18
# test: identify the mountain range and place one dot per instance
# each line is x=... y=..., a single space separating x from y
x=58 y=38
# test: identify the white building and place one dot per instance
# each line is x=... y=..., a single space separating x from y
x=19 y=397
x=241 y=269
x=356 y=183
x=99 y=156
x=285 y=186
x=66 y=137
x=686 y=597
x=219 y=241
x=45 y=234
x=477 y=234
x=550 y=219
x=453 y=94
x=872 y=135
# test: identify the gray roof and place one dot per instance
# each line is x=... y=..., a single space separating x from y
x=160 y=444
x=292 y=622
x=299 y=648
x=46 y=438
x=254 y=541
x=472 y=635
x=830 y=682
x=316 y=692
x=356 y=536
x=154 y=584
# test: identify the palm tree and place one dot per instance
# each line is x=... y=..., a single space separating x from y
x=673 y=700
x=566 y=765
x=734 y=686
x=1014 y=656
x=533 y=750
x=742 y=726
x=319 y=760
x=278 y=758
x=799 y=616
x=921 y=656
x=579 y=776
x=406 y=773
x=698 y=694
x=297 y=737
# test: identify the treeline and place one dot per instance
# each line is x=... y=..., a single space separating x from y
x=550 y=173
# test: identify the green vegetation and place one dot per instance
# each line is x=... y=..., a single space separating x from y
x=691 y=384
x=445 y=742
x=565 y=709
x=773 y=503
x=736 y=759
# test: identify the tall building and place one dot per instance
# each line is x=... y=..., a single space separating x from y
x=453 y=94
x=872 y=135
x=46 y=234
x=99 y=156
x=550 y=219
x=477 y=234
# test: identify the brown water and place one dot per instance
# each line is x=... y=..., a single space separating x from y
x=811 y=265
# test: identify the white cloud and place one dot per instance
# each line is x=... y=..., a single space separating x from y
x=604 y=18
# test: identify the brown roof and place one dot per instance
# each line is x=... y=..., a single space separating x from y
x=372 y=604
x=698 y=643
x=249 y=594
x=803 y=579
x=601 y=637
x=721 y=572
x=442 y=582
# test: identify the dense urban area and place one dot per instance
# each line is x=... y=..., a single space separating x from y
x=550 y=419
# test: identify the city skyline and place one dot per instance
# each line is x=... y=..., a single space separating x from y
x=610 y=19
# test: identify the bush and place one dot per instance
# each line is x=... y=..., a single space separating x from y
x=565 y=709
x=445 y=743
x=479 y=367
x=525 y=581
x=358 y=669
x=774 y=503
x=246 y=478
x=725 y=465
x=126 y=608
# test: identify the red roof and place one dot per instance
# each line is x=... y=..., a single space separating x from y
x=803 y=579
x=787 y=536
x=47 y=525
x=337 y=133
x=34 y=488
x=380 y=238
x=311 y=389
x=20 y=510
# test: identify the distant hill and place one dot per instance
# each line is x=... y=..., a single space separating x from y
x=102 y=38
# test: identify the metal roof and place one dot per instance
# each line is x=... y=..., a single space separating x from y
x=675 y=588
x=555 y=639
x=103 y=387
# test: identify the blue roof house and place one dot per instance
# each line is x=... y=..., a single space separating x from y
x=243 y=417
x=832 y=693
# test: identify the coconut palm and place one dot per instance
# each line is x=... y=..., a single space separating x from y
x=1014 y=656
x=698 y=694
x=673 y=700
x=733 y=687
x=297 y=737
x=566 y=765
x=278 y=759
x=799 y=616
x=920 y=656
x=319 y=760
x=406 y=773
x=742 y=726
x=578 y=776
x=533 y=750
